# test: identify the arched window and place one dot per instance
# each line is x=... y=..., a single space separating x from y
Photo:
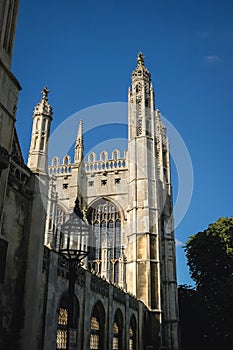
x=43 y=124
x=62 y=321
x=42 y=141
x=132 y=333
x=37 y=123
x=105 y=219
x=97 y=327
x=117 y=331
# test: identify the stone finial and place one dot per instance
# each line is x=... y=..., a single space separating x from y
x=140 y=58
x=45 y=93
x=80 y=131
x=141 y=71
x=79 y=146
x=43 y=107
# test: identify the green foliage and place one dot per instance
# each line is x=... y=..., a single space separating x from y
x=210 y=259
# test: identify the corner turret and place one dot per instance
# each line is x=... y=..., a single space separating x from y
x=42 y=117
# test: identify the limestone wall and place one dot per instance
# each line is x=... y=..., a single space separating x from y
x=89 y=290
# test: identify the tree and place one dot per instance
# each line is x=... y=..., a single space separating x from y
x=190 y=325
x=210 y=259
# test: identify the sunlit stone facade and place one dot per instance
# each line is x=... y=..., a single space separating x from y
x=125 y=294
x=127 y=201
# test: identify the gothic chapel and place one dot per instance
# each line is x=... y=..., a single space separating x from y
x=126 y=290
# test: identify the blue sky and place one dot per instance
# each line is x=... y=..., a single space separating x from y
x=85 y=51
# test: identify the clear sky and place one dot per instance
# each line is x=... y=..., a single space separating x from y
x=85 y=51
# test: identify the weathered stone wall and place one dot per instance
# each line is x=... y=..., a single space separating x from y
x=89 y=290
x=15 y=230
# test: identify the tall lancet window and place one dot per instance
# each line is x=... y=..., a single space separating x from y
x=105 y=241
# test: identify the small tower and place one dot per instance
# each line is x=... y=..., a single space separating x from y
x=38 y=153
x=79 y=147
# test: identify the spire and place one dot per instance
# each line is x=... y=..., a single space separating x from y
x=79 y=147
x=42 y=117
x=80 y=131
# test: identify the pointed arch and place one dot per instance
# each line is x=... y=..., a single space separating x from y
x=94 y=202
x=117 y=337
x=116 y=154
x=132 y=333
x=62 y=320
x=55 y=161
x=66 y=160
x=97 y=325
x=38 y=123
x=105 y=239
x=44 y=124
x=104 y=156
x=92 y=157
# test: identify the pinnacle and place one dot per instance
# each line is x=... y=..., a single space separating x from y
x=45 y=93
x=140 y=58
x=141 y=71
x=43 y=107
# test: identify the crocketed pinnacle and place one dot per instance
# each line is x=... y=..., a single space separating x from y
x=43 y=107
x=141 y=72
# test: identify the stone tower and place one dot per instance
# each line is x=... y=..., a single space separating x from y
x=38 y=153
x=151 y=248
x=143 y=255
x=127 y=200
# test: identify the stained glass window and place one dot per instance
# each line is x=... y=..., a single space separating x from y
x=105 y=242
